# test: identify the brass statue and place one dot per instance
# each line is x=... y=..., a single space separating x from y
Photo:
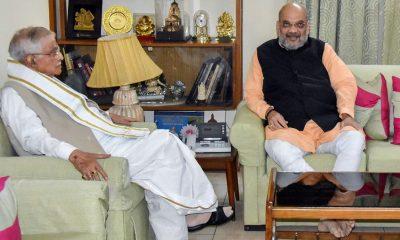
x=225 y=26
x=84 y=20
x=173 y=21
x=145 y=26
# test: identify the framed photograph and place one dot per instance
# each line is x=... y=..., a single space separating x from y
x=84 y=18
x=174 y=121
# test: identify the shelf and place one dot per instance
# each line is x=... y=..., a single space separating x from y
x=187 y=108
x=93 y=42
x=179 y=108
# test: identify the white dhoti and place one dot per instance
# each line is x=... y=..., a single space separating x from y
x=175 y=183
x=347 y=146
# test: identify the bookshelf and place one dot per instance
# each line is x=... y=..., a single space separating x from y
x=179 y=60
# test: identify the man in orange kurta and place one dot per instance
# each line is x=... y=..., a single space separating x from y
x=307 y=95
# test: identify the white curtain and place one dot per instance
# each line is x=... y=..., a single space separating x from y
x=361 y=31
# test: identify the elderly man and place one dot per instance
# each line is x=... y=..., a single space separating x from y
x=307 y=95
x=49 y=118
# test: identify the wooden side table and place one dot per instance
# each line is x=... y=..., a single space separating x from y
x=226 y=162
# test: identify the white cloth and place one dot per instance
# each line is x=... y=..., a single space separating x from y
x=160 y=162
x=68 y=100
x=28 y=128
x=347 y=147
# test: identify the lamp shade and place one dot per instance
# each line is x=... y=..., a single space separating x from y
x=121 y=60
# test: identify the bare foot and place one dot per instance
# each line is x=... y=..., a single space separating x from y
x=339 y=229
x=310 y=178
x=342 y=198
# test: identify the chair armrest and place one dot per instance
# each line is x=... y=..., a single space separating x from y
x=50 y=208
x=48 y=168
x=247 y=135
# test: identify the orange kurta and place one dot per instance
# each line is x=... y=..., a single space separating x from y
x=343 y=83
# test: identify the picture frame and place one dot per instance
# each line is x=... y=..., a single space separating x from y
x=84 y=19
x=174 y=121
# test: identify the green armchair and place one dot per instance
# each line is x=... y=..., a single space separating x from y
x=55 y=203
x=247 y=136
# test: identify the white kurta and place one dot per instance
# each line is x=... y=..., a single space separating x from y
x=160 y=162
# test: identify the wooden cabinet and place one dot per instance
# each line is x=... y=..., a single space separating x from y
x=178 y=60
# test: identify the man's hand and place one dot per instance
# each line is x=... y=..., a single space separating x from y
x=276 y=121
x=349 y=121
x=86 y=163
x=117 y=119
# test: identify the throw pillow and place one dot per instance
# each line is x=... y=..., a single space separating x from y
x=366 y=100
x=9 y=225
x=378 y=124
x=396 y=109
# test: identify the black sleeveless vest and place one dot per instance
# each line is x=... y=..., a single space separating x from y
x=297 y=84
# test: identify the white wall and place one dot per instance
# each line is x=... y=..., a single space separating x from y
x=259 y=17
x=15 y=14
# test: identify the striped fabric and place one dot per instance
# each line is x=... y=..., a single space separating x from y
x=396 y=110
x=9 y=226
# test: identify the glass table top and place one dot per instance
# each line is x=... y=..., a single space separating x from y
x=348 y=189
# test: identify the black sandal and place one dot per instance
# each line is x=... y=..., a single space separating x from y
x=217 y=217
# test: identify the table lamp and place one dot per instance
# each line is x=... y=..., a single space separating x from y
x=121 y=61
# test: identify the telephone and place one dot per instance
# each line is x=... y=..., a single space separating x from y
x=212 y=138
x=212 y=132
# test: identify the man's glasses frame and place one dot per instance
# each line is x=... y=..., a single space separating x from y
x=54 y=53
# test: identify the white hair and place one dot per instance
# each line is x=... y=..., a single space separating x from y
x=27 y=41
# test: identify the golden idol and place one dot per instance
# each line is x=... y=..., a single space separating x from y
x=225 y=27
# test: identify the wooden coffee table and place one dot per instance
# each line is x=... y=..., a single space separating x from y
x=275 y=211
x=226 y=162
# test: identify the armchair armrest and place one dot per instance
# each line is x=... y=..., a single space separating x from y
x=247 y=135
x=47 y=168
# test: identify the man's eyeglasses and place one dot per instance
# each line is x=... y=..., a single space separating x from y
x=54 y=53
x=298 y=25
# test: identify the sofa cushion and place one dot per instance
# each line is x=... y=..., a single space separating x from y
x=396 y=109
x=82 y=212
x=6 y=149
x=9 y=224
x=367 y=98
x=383 y=156
x=378 y=125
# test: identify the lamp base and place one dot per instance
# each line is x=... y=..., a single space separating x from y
x=126 y=104
x=134 y=111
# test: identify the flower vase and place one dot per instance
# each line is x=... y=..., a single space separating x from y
x=191 y=141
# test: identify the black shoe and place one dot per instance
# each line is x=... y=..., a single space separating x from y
x=217 y=218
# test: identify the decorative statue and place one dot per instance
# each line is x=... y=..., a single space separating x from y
x=173 y=21
x=178 y=89
x=201 y=90
x=145 y=26
x=84 y=20
x=225 y=26
x=153 y=86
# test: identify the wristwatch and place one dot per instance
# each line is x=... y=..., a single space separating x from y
x=269 y=110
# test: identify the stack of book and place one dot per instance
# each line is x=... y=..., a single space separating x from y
x=215 y=74
x=79 y=68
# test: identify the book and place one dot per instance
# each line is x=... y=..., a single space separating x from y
x=193 y=91
x=213 y=86
x=202 y=76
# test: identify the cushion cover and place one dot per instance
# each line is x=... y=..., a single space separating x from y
x=365 y=103
x=396 y=109
x=378 y=125
x=9 y=225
